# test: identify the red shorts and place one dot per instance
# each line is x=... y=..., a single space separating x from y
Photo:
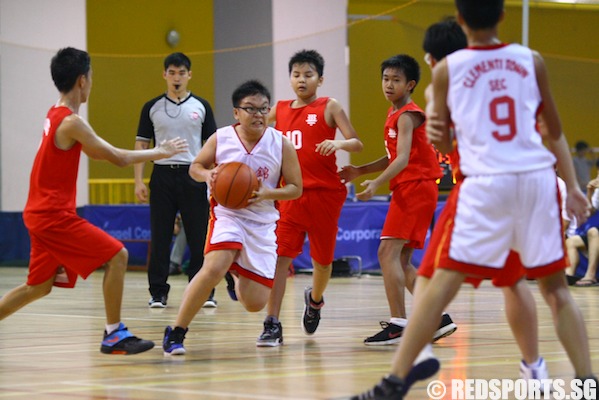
x=411 y=211
x=316 y=213
x=66 y=240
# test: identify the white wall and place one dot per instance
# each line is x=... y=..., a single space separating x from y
x=318 y=25
x=31 y=31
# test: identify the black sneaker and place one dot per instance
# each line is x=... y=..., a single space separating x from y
x=446 y=328
x=390 y=334
x=390 y=388
x=121 y=341
x=231 y=286
x=172 y=344
x=272 y=335
x=311 y=316
x=157 y=302
x=425 y=366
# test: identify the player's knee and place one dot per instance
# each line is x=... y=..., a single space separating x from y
x=593 y=233
x=120 y=259
x=253 y=304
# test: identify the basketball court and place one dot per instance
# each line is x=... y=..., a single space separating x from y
x=50 y=349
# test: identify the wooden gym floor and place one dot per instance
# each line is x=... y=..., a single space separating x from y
x=50 y=349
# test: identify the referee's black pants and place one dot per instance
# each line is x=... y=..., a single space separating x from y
x=172 y=190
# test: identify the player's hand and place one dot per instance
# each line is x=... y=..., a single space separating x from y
x=327 y=147
x=578 y=206
x=348 y=173
x=259 y=194
x=593 y=184
x=173 y=146
x=434 y=128
x=369 y=191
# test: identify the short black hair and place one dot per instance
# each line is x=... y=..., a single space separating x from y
x=581 y=145
x=308 y=57
x=67 y=65
x=443 y=38
x=249 y=88
x=404 y=63
x=480 y=14
x=177 y=60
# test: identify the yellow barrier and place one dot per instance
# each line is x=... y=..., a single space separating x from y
x=112 y=191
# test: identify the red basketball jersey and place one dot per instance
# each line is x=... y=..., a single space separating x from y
x=422 y=164
x=306 y=127
x=53 y=181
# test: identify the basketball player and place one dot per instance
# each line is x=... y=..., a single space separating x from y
x=310 y=122
x=411 y=170
x=60 y=240
x=241 y=240
x=492 y=93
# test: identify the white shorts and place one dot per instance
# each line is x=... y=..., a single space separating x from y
x=256 y=243
x=496 y=213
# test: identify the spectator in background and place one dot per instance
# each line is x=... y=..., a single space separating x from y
x=586 y=240
x=583 y=163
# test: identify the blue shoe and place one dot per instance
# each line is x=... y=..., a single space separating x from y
x=231 y=286
x=425 y=366
x=121 y=341
x=172 y=344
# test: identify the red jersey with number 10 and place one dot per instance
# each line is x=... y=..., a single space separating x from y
x=53 y=181
x=423 y=163
x=306 y=127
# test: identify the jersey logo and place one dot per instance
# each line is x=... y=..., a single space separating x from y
x=311 y=119
x=392 y=134
x=47 y=125
x=194 y=116
x=262 y=173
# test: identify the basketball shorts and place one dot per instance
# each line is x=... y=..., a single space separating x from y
x=256 y=242
x=486 y=217
x=65 y=242
x=411 y=211
x=316 y=214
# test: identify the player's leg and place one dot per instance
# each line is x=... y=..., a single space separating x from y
x=20 y=296
x=568 y=321
x=113 y=285
x=117 y=338
x=272 y=334
x=252 y=294
x=394 y=281
x=216 y=265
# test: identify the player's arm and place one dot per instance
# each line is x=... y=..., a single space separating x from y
x=75 y=129
x=577 y=204
x=406 y=124
x=292 y=174
x=201 y=168
x=350 y=172
x=335 y=117
x=437 y=116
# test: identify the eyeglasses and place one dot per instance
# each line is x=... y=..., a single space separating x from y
x=255 y=110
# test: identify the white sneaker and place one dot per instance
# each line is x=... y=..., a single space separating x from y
x=210 y=303
x=537 y=371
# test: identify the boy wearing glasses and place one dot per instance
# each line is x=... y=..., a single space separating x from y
x=310 y=123
x=242 y=240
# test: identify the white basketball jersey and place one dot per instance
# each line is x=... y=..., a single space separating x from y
x=494 y=98
x=265 y=159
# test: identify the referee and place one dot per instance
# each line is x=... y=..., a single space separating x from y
x=176 y=113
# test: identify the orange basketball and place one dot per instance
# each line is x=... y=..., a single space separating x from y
x=234 y=184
